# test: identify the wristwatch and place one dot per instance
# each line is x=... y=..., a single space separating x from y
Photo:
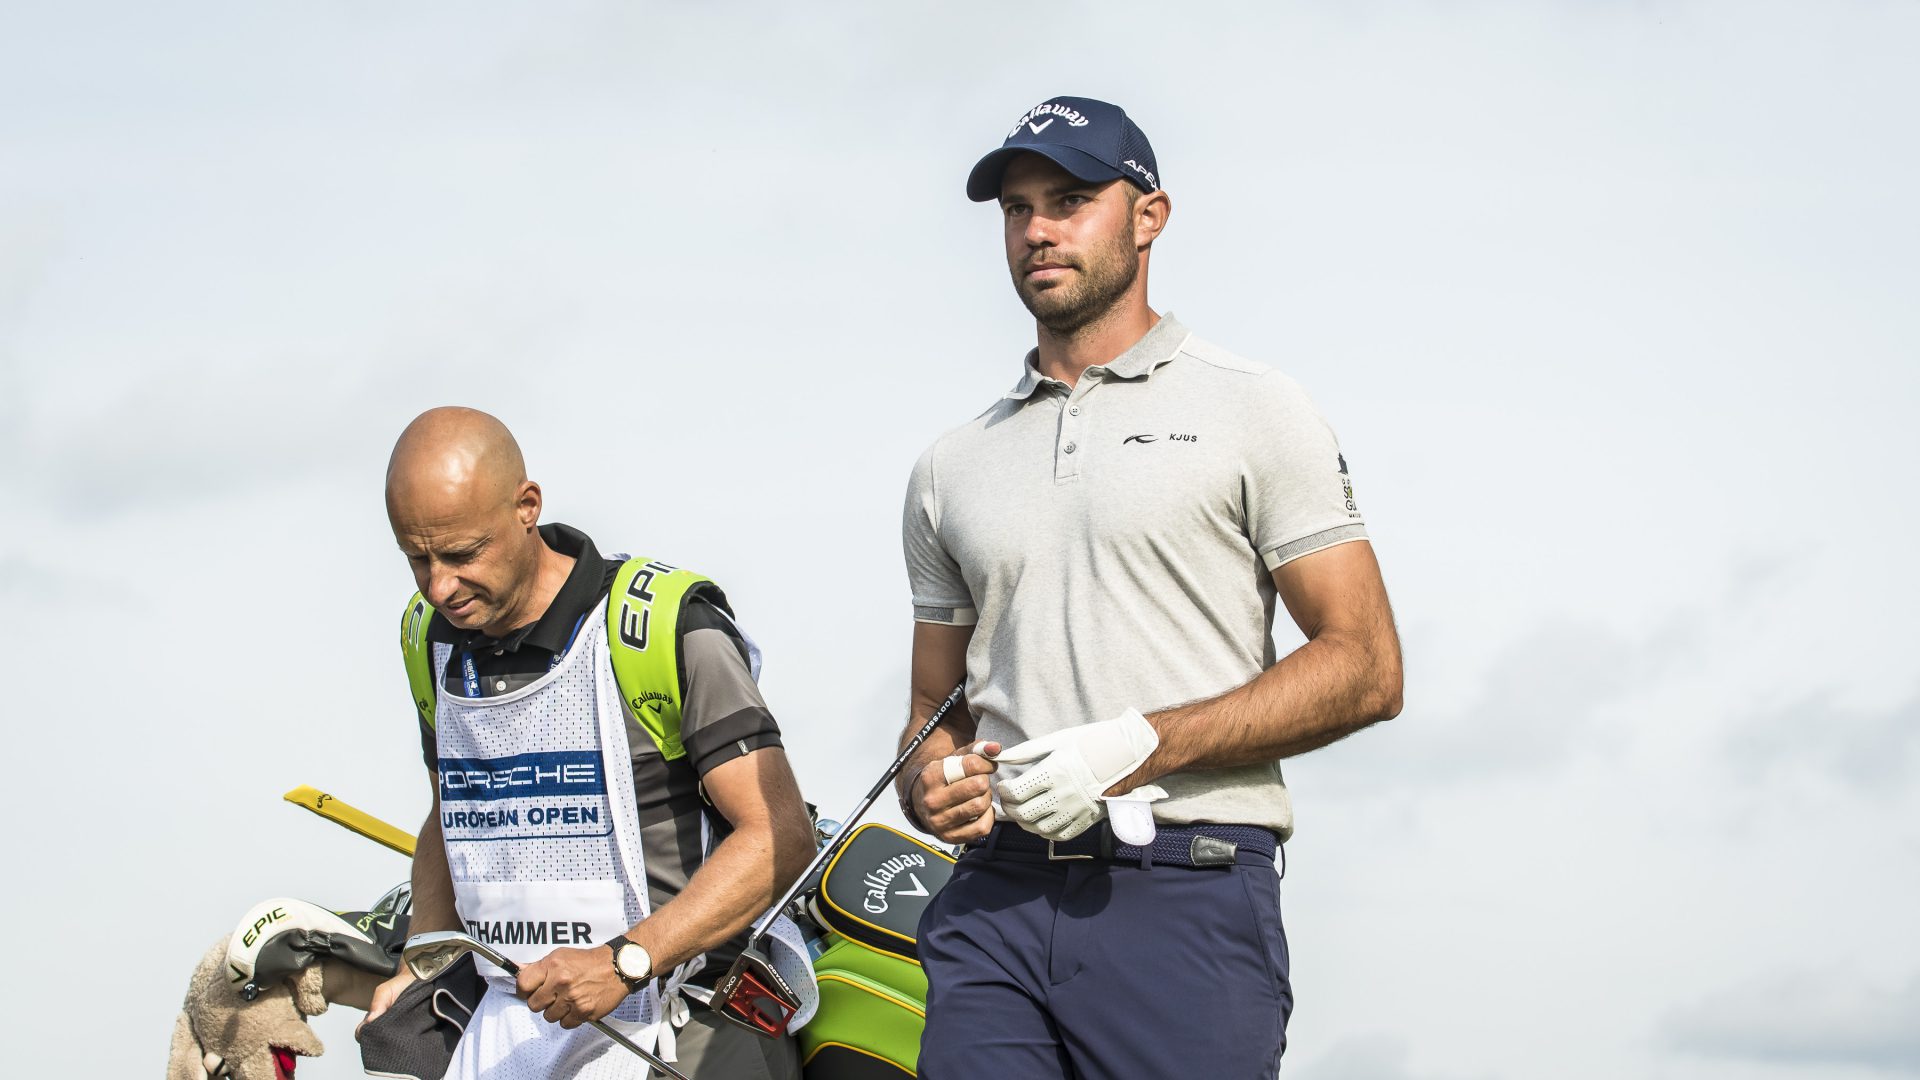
x=631 y=963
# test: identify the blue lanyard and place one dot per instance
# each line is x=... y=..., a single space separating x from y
x=469 y=675
x=568 y=647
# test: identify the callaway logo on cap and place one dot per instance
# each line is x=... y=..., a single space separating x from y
x=1090 y=139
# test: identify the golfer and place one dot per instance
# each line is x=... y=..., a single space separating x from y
x=1099 y=554
x=612 y=805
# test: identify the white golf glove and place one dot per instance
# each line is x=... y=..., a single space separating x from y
x=1058 y=797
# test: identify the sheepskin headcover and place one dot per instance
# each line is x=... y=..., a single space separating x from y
x=216 y=1025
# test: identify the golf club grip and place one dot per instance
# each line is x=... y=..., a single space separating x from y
x=919 y=737
x=846 y=825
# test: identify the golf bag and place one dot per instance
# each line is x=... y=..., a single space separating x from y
x=873 y=994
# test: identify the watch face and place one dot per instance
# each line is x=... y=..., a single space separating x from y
x=632 y=961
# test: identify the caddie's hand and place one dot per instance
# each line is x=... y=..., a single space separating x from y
x=572 y=986
x=954 y=798
x=1059 y=796
x=384 y=996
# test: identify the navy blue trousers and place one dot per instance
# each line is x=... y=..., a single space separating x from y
x=1096 y=970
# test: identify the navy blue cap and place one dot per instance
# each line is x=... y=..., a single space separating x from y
x=1090 y=139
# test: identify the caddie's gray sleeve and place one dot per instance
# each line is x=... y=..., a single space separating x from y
x=722 y=715
x=1299 y=493
x=939 y=591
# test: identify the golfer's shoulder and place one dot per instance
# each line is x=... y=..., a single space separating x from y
x=1219 y=364
x=963 y=442
x=1235 y=380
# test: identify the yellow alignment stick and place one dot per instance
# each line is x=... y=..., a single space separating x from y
x=353 y=818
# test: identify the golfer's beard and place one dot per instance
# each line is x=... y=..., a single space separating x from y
x=1104 y=277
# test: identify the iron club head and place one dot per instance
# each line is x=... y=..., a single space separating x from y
x=429 y=954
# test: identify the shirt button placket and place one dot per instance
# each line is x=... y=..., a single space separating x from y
x=1067 y=458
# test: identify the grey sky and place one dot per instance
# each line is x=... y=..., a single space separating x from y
x=1611 y=305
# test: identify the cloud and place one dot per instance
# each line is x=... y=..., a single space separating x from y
x=1546 y=699
x=24 y=579
x=1876 y=750
x=1825 y=1018
x=29 y=240
x=184 y=433
x=1368 y=1057
x=120 y=429
x=1759 y=703
x=28 y=243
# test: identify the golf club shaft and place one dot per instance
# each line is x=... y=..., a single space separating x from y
x=635 y=1047
x=846 y=824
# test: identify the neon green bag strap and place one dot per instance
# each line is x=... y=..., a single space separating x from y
x=418 y=655
x=643 y=616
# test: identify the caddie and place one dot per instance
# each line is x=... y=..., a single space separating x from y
x=612 y=806
x=1099 y=554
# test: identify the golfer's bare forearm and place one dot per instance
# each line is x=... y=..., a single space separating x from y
x=1323 y=691
x=432 y=883
x=939 y=664
x=1346 y=676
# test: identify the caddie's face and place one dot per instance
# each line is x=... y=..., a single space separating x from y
x=469 y=562
x=1070 y=243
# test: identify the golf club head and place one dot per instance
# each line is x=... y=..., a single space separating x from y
x=755 y=997
x=824 y=830
x=429 y=954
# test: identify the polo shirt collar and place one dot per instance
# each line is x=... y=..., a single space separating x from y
x=585 y=584
x=1157 y=346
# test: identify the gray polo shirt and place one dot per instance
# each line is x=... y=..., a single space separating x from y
x=1114 y=544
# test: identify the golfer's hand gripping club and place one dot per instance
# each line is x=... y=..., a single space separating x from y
x=1058 y=797
x=952 y=796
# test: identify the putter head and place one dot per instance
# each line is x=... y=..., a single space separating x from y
x=429 y=954
x=754 y=996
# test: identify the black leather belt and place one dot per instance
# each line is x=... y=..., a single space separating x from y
x=1173 y=845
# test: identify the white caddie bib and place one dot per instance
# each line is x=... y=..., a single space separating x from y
x=543 y=844
x=538 y=816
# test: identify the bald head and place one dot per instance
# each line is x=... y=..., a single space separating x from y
x=465 y=514
x=454 y=454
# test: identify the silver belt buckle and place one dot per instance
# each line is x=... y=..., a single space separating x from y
x=1051 y=857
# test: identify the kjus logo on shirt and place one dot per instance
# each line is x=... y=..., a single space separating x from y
x=557 y=772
